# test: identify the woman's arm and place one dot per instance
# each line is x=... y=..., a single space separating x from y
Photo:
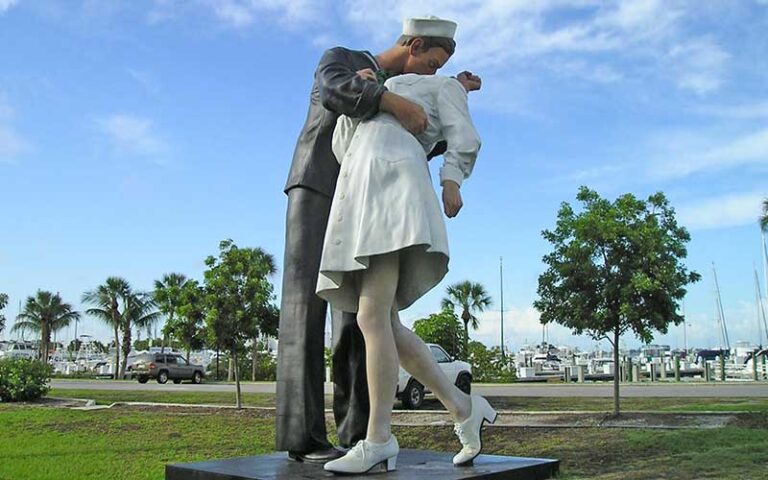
x=463 y=143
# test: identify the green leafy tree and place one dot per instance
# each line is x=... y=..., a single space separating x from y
x=237 y=292
x=167 y=294
x=3 y=303
x=105 y=301
x=268 y=319
x=615 y=268
x=188 y=326
x=443 y=329
x=45 y=313
x=142 y=344
x=469 y=297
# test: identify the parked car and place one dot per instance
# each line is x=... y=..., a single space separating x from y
x=165 y=366
x=411 y=392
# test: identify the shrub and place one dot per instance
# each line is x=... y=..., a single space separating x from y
x=488 y=366
x=23 y=379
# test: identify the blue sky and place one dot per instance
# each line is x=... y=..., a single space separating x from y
x=135 y=135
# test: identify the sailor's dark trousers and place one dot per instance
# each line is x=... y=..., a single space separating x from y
x=300 y=362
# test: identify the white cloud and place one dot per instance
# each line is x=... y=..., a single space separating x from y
x=145 y=79
x=699 y=154
x=699 y=65
x=244 y=13
x=12 y=144
x=723 y=211
x=757 y=109
x=521 y=326
x=600 y=42
x=603 y=42
x=5 y=5
x=134 y=135
x=6 y=111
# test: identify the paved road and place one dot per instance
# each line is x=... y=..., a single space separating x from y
x=515 y=390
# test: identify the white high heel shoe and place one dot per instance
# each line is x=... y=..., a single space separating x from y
x=470 y=430
x=364 y=456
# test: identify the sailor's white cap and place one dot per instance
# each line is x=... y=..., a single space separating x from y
x=429 y=26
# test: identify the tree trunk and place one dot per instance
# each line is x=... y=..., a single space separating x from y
x=616 y=369
x=165 y=334
x=117 y=352
x=254 y=352
x=229 y=369
x=45 y=339
x=238 y=402
x=126 y=349
x=466 y=341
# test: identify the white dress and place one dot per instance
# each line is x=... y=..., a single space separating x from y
x=384 y=199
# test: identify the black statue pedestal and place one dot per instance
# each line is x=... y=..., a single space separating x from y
x=411 y=464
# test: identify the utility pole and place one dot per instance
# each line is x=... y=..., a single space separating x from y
x=501 y=285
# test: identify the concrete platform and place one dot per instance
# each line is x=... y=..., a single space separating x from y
x=411 y=464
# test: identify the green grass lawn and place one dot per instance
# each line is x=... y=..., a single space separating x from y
x=135 y=444
x=673 y=404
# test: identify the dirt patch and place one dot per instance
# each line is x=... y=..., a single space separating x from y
x=180 y=411
x=50 y=402
x=647 y=420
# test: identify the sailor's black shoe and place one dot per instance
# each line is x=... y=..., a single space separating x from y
x=317 y=456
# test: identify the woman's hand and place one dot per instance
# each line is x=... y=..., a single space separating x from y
x=367 y=74
x=469 y=81
x=410 y=115
x=452 y=202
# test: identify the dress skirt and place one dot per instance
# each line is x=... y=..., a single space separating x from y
x=384 y=202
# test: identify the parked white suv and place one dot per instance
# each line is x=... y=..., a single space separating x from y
x=411 y=392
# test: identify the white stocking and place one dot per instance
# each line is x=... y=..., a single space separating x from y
x=419 y=362
x=377 y=294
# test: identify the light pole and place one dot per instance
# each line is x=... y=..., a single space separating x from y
x=501 y=285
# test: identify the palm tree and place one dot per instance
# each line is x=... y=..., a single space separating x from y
x=106 y=301
x=45 y=313
x=3 y=303
x=470 y=297
x=138 y=312
x=764 y=217
x=168 y=298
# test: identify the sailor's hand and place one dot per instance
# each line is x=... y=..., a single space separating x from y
x=452 y=202
x=469 y=81
x=410 y=115
x=367 y=74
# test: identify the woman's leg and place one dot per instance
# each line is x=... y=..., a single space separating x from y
x=419 y=362
x=377 y=293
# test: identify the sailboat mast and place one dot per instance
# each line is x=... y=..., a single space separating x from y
x=685 y=333
x=765 y=263
x=721 y=313
x=760 y=310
